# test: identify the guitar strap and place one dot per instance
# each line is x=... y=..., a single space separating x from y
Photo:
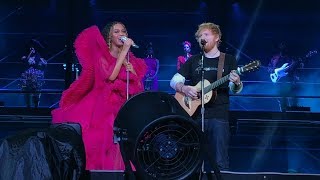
x=220 y=65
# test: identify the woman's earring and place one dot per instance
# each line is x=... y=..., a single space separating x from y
x=109 y=43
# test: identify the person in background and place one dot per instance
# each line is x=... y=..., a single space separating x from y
x=182 y=59
x=32 y=79
x=290 y=76
x=151 y=78
x=288 y=89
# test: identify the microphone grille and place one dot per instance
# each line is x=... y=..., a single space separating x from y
x=123 y=38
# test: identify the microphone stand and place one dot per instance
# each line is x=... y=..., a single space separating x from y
x=128 y=170
x=211 y=159
x=123 y=39
x=128 y=77
x=202 y=96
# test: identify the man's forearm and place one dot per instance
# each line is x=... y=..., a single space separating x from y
x=179 y=87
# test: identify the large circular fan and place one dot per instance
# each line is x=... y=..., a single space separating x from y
x=158 y=136
x=169 y=148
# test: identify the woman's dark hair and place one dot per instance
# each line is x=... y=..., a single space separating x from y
x=106 y=31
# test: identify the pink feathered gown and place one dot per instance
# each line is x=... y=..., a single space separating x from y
x=94 y=101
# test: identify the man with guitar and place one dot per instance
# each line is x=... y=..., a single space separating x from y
x=282 y=64
x=284 y=67
x=217 y=108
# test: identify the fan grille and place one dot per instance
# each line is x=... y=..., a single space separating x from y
x=169 y=148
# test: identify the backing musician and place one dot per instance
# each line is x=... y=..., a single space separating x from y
x=282 y=67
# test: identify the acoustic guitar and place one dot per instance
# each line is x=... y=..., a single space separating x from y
x=190 y=105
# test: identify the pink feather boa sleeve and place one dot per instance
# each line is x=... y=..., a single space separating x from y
x=86 y=46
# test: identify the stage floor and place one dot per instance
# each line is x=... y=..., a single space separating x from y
x=226 y=175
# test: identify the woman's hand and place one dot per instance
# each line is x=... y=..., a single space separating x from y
x=129 y=67
x=127 y=43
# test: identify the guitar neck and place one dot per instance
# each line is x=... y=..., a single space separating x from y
x=216 y=84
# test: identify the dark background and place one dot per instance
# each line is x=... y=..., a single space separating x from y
x=251 y=30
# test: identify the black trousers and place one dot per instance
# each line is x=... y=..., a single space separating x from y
x=217 y=137
x=287 y=91
x=32 y=98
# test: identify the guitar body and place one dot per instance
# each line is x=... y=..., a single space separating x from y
x=190 y=105
x=274 y=77
x=279 y=73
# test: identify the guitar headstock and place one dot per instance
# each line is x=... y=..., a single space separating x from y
x=311 y=53
x=250 y=67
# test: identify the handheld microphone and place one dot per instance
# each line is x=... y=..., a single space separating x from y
x=124 y=38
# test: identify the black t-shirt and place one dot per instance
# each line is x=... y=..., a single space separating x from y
x=191 y=70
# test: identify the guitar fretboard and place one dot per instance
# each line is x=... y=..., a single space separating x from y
x=216 y=84
x=251 y=66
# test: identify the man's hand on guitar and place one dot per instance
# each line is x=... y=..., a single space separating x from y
x=190 y=91
x=234 y=77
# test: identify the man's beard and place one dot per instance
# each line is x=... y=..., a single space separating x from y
x=208 y=47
